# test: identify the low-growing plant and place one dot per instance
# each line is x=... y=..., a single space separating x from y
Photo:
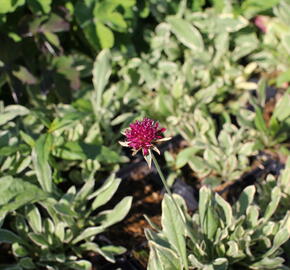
x=196 y=56
x=57 y=231
x=269 y=132
x=275 y=54
x=219 y=236
x=265 y=188
x=215 y=158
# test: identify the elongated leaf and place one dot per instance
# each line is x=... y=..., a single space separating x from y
x=79 y=265
x=65 y=209
x=67 y=120
x=173 y=228
x=227 y=209
x=87 y=233
x=195 y=262
x=185 y=155
x=87 y=188
x=82 y=151
x=40 y=155
x=11 y=112
x=15 y=193
x=275 y=199
x=106 y=194
x=109 y=252
x=110 y=217
x=280 y=238
x=186 y=33
x=9 y=237
x=34 y=218
x=43 y=6
x=101 y=74
x=259 y=120
x=268 y=264
x=164 y=258
x=39 y=239
x=245 y=200
x=282 y=108
x=208 y=217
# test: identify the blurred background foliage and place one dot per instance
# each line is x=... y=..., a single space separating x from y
x=75 y=73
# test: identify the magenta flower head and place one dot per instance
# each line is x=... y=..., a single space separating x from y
x=262 y=22
x=143 y=135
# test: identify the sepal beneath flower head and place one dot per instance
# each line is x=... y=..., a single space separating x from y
x=124 y=144
x=156 y=149
x=148 y=158
x=165 y=139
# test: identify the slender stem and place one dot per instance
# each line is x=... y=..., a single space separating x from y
x=170 y=194
x=167 y=187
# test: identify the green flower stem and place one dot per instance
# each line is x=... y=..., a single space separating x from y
x=170 y=194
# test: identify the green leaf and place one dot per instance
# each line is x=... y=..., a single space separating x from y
x=262 y=91
x=230 y=23
x=65 y=121
x=117 y=22
x=259 y=120
x=27 y=138
x=34 y=218
x=280 y=238
x=10 y=5
x=105 y=35
x=39 y=239
x=185 y=155
x=82 y=151
x=43 y=6
x=110 y=217
x=23 y=74
x=15 y=193
x=283 y=78
x=253 y=215
x=40 y=156
x=27 y=263
x=110 y=251
x=268 y=264
x=173 y=228
x=282 y=108
x=106 y=192
x=85 y=191
x=107 y=252
x=227 y=209
x=19 y=250
x=253 y=7
x=272 y=206
x=195 y=262
x=245 y=45
x=65 y=209
x=162 y=258
x=60 y=231
x=220 y=264
x=186 y=33
x=101 y=74
x=23 y=164
x=79 y=265
x=9 y=237
x=12 y=111
x=245 y=200
x=207 y=215
x=87 y=233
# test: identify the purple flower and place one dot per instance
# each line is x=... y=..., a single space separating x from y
x=142 y=135
x=261 y=22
